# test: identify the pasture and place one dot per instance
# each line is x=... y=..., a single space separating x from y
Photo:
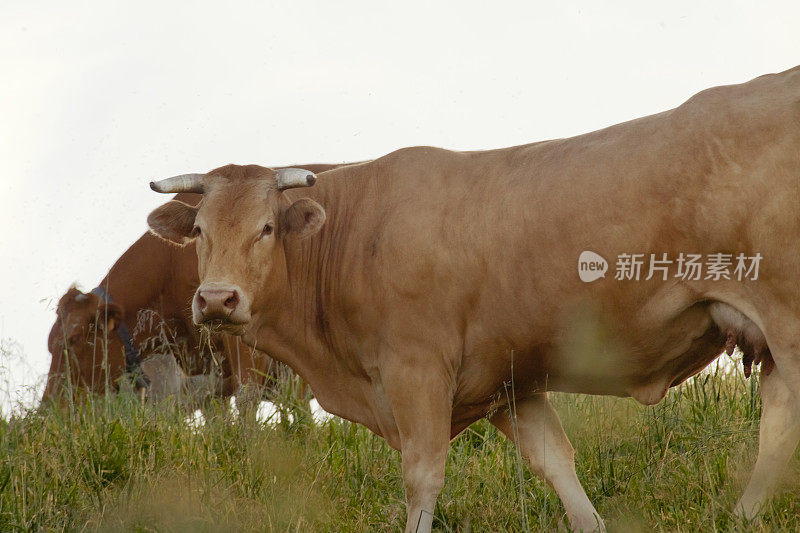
x=113 y=464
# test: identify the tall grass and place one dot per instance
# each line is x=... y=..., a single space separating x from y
x=113 y=464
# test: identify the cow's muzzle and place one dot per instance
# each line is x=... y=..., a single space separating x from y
x=219 y=303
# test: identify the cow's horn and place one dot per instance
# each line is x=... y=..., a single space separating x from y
x=289 y=178
x=182 y=183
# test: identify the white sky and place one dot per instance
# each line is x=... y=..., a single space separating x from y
x=97 y=99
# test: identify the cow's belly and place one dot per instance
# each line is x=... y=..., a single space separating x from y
x=649 y=361
x=646 y=376
x=640 y=362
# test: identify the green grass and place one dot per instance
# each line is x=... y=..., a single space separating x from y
x=114 y=464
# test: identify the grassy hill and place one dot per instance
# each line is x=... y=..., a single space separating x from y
x=113 y=464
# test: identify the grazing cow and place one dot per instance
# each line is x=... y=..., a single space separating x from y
x=141 y=308
x=419 y=292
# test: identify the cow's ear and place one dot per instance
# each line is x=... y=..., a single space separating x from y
x=301 y=219
x=173 y=221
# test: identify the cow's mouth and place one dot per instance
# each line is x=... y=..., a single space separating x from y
x=219 y=325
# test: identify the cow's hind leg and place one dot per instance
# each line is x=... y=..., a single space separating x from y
x=538 y=432
x=778 y=436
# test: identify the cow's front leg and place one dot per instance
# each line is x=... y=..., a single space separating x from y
x=423 y=477
x=537 y=431
x=421 y=404
x=778 y=437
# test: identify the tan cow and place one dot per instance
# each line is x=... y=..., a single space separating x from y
x=408 y=290
x=140 y=308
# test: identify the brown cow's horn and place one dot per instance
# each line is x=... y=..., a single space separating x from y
x=288 y=178
x=182 y=183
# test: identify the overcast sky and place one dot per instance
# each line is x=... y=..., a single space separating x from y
x=97 y=99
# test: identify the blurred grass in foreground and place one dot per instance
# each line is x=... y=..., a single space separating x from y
x=114 y=464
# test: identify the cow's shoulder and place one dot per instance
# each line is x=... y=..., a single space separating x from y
x=766 y=97
x=415 y=156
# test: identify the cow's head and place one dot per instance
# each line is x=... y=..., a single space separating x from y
x=84 y=347
x=240 y=229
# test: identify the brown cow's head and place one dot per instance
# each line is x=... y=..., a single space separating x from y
x=80 y=341
x=240 y=230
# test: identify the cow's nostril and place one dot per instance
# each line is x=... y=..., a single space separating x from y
x=216 y=304
x=232 y=301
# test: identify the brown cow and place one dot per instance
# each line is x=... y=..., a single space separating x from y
x=148 y=292
x=410 y=290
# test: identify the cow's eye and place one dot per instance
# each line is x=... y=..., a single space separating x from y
x=267 y=230
x=196 y=232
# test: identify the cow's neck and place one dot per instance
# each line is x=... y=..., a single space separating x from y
x=292 y=336
x=302 y=324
